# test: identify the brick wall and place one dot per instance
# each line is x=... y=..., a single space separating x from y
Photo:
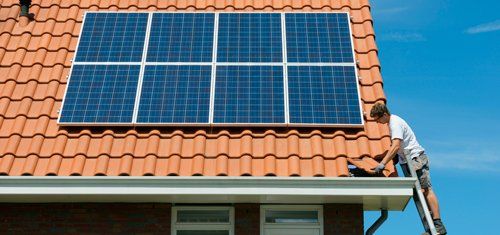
x=344 y=219
x=85 y=218
x=247 y=219
x=145 y=218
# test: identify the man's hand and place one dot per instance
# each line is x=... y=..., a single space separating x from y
x=379 y=168
x=396 y=144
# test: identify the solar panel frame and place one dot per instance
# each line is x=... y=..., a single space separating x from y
x=214 y=64
x=214 y=69
x=285 y=68
x=143 y=67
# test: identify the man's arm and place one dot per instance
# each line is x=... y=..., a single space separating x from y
x=396 y=144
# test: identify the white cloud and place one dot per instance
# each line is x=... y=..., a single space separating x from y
x=403 y=37
x=483 y=28
x=474 y=156
x=476 y=162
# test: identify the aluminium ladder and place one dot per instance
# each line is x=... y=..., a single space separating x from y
x=420 y=202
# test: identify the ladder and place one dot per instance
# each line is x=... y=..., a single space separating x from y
x=420 y=202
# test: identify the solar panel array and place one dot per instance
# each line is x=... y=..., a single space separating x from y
x=213 y=69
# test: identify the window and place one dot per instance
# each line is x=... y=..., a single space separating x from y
x=291 y=219
x=202 y=220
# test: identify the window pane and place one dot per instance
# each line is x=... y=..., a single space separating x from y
x=202 y=232
x=203 y=216
x=292 y=217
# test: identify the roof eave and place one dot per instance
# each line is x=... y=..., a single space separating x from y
x=373 y=193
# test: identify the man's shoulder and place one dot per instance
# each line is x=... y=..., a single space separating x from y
x=397 y=122
x=399 y=119
x=395 y=119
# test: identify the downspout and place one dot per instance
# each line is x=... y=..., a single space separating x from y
x=378 y=223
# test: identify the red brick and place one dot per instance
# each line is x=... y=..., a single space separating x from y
x=343 y=219
x=247 y=219
x=85 y=218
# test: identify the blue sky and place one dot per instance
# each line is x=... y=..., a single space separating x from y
x=441 y=69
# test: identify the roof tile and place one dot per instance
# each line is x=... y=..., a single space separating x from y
x=53 y=166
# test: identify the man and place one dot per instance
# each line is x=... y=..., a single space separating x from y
x=405 y=145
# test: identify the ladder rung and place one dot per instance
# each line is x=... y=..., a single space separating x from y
x=420 y=202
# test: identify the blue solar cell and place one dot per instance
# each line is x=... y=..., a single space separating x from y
x=175 y=94
x=101 y=94
x=318 y=37
x=323 y=95
x=112 y=37
x=249 y=94
x=245 y=37
x=181 y=37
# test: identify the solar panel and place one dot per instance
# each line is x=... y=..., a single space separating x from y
x=101 y=93
x=112 y=37
x=159 y=68
x=249 y=94
x=175 y=94
x=247 y=37
x=181 y=37
x=323 y=94
x=318 y=37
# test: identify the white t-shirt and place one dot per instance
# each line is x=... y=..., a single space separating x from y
x=409 y=145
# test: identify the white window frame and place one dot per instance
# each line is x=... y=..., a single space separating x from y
x=202 y=226
x=264 y=225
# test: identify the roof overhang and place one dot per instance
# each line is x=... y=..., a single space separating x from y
x=373 y=193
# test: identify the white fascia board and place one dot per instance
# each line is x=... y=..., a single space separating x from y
x=373 y=193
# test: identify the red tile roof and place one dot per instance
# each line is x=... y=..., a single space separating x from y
x=34 y=63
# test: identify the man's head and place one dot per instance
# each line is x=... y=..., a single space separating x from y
x=380 y=113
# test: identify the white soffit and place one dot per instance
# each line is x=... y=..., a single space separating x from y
x=373 y=193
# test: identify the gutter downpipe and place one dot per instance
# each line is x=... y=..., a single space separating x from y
x=378 y=223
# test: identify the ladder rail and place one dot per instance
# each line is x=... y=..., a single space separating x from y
x=419 y=199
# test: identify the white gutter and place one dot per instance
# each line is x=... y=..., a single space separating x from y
x=373 y=193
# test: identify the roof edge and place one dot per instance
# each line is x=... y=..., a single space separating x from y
x=373 y=193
